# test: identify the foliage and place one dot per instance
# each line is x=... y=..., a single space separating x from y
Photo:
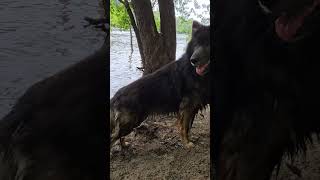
x=119 y=17
x=183 y=25
x=156 y=15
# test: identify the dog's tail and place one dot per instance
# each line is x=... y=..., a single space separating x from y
x=114 y=125
x=111 y=119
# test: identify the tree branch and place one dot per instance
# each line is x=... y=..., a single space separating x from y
x=134 y=26
x=101 y=23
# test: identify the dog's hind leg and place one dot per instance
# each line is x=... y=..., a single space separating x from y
x=116 y=131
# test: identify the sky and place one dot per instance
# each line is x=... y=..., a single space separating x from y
x=198 y=11
x=201 y=11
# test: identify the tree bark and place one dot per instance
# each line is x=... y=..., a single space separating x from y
x=168 y=27
x=158 y=49
x=106 y=8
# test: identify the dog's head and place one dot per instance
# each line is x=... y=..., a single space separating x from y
x=198 y=49
x=293 y=19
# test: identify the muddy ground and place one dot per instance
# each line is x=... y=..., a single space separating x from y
x=308 y=165
x=155 y=151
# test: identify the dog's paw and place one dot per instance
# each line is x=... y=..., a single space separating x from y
x=124 y=144
x=189 y=145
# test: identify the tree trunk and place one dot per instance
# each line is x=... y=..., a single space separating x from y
x=106 y=9
x=168 y=27
x=158 y=49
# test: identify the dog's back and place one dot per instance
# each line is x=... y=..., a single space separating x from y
x=158 y=92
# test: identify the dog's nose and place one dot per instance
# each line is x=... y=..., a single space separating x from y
x=193 y=61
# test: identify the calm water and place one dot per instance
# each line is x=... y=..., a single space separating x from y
x=39 y=38
x=123 y=64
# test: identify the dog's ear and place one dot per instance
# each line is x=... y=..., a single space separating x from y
x=195 y=26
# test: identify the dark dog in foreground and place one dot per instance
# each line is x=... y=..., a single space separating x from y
x=265 y=91
x=180 y=87
x=57 y=129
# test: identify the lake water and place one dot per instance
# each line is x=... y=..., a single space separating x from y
x=123 y=64
x=39 y=38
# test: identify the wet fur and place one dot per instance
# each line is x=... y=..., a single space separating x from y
x=175 y=88
x=57 y=129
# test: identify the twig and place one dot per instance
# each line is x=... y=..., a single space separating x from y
x=100 y=23
x=134 y=26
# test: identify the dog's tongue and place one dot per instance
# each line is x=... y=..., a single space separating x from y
x=200 y=69
x=286 y=27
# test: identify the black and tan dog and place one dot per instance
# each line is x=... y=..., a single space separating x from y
x=180 y=87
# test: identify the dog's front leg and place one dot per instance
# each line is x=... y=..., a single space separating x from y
x=186 y=116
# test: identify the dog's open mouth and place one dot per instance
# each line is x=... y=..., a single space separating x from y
x=202 y=69
x=287 y=27
x=290 y=26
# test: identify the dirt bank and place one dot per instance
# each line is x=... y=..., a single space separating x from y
x=156 y=152
x=308 y=165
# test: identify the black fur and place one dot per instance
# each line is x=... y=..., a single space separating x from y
x=57 y=129
x=266 y=99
